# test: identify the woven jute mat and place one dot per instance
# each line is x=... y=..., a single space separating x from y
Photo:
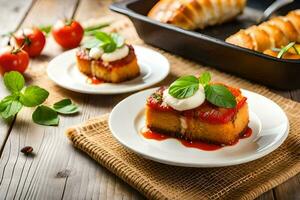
x=159 y=181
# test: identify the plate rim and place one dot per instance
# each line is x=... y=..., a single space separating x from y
x=197 y=164
x=115 y=91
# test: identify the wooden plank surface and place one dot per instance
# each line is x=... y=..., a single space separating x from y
x=17 y=170
x=59 y=171
x=289 y=189
x=12 y=14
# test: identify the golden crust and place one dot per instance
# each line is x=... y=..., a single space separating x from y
x=294 y=18
x=192 y=14
x=224 y=133
x=116 y=74
x=260 y=38
x=286 y=27
x=241 y=39
x=276 y=32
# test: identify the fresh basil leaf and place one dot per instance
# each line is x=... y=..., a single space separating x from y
x=285 y=49
x=205 y=78
x=118 y=39
x=33 y=96
x=220 y=96
x=44 y=115
x=102 y=36
x=91 y=43
x=109 y=47
x=6 y=101
x=65 y=106
x=12 y=108
x=108 y=44
x=184 y=87
x=14 y=81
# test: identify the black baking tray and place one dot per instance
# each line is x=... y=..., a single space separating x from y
x=208 y=46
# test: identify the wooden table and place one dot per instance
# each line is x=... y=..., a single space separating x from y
x=58 y=171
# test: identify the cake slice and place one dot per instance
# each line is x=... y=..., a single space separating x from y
x=106 y=64
x=117 y=71
x=207 y=122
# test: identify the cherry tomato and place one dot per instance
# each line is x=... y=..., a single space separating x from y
x=13 y=60
x=32 y=40
x=68 y=34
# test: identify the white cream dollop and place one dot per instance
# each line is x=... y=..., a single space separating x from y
x=96 y=53
x=185 y=104
x=116 y=55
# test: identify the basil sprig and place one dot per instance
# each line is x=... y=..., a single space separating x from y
x=184 y=87
x=220 y=96
x=216 y=94
x=65 y=106
x=31 y=96
x=108 y=42
x=46 y=116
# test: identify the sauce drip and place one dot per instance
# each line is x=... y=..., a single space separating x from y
x=154 y=136
x=247 y=133
x=93 y=80
x=192 y=144
x=200 y=145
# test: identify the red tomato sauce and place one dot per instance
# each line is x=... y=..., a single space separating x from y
x=192 y=144
x=94 y=81
x=247 y=133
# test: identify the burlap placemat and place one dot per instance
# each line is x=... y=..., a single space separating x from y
x=159 y=181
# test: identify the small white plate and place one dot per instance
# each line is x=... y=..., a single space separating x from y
x=268 y=122
x=63 y=71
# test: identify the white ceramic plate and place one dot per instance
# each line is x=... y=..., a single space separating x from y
x=268 y=122
x=154 y=68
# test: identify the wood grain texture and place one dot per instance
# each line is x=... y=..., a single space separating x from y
x=295 y=95
x=267 y=196
x=57 y=170
x=289 y=189
x=17 y=171
x=12 y=14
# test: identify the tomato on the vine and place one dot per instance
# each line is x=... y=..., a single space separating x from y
x=12 y=59
x=68 y=34
x=30 y=40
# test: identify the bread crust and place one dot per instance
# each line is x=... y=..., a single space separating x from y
x=275 y=33
x=193 y=14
